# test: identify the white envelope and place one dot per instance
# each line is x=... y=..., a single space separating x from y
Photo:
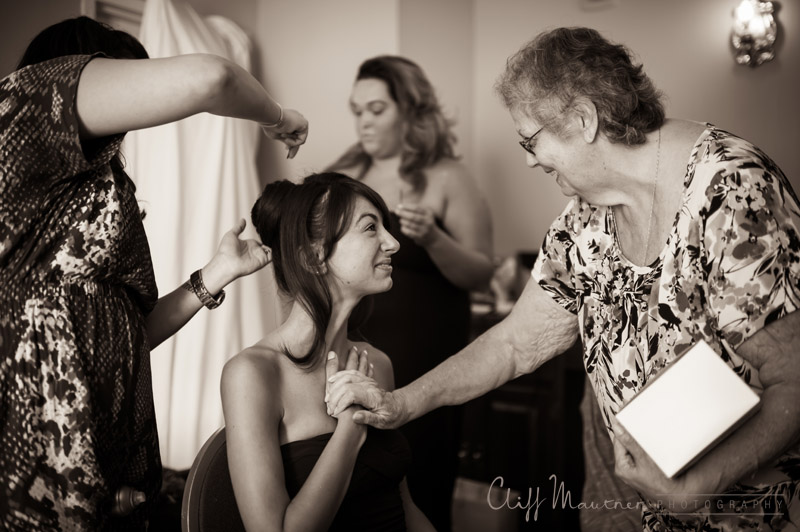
x=689 y=407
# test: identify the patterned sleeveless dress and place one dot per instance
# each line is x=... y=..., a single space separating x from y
x=76 y=281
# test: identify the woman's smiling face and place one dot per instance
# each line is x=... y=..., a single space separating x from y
x=564 y=158
x=360 y=263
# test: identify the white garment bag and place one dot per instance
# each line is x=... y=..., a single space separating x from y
x=195 y=179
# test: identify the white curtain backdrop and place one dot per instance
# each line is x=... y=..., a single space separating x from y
x=195 y=179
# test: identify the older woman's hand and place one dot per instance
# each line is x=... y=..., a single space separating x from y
x=349 y=387
x=634 y=466
x=355 y=361
x=418 y=223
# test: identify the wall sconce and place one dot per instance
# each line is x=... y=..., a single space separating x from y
x=754 y=32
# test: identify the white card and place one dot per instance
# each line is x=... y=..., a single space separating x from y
x=687 y=409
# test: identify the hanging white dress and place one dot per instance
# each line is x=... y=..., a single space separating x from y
x=195 y=178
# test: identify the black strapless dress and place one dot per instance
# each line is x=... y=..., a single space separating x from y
x=420 y=322
x=372 y=501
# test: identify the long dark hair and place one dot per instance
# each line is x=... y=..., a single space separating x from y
x=84 y=36
x=427 y=135
x=79 y=36
x=301 y=223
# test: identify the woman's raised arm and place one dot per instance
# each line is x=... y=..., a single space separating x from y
x=120 y=95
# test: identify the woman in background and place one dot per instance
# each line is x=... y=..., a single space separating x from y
x=293 y=466
x=79 y=302
x=405 y=153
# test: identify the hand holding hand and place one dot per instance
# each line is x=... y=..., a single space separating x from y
x=354 y=361
x=358 y=363
x=418 y=223
x=351 y=387
x=292 y=130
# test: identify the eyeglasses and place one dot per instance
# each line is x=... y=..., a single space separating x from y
x=526 y=143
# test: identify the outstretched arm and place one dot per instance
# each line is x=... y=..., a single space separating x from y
x=234 y=258
x=536 y=330
x=118 y=95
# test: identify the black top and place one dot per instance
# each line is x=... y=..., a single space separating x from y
x=372 y=501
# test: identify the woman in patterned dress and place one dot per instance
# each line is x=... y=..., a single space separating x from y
x=676 y=232
x=79 y=303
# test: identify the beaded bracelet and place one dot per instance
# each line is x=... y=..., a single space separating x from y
x=198 y=288
x=280 y=119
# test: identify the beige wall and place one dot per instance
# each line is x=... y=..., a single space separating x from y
x=307 y=52
x=310 y=53
x=439 y=36
x=22 y=20
x=684 y=47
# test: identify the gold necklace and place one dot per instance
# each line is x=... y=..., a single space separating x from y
x=652 y=200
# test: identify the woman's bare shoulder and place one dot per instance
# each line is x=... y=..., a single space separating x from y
x=252 y=387
x=259 y=364
x=450 y=175
x=447 y=168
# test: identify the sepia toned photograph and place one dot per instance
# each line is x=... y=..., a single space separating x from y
x=389 y=265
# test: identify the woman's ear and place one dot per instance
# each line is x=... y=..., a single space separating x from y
x=313 y=260
x=586 y=113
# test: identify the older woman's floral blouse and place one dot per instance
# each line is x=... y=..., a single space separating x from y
x=730 y=267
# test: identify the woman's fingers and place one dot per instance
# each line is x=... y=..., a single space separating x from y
x=293 y=131
x=365 y=417
x=352 y=358
x=363 y=362
x=624 y=461
x=346 y=375
x=239 y=227
x=331 y=367
x=348 y=387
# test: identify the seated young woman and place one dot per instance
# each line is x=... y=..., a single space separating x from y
x=293 y=466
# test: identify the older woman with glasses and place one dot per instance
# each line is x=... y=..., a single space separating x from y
x=676 y=232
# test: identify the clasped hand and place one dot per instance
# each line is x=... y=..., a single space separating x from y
x=417 y=222
x=353 y=387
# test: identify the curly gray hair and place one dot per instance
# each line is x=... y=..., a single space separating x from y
x=547 y=75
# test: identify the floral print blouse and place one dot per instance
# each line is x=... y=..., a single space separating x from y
x=731 y=266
